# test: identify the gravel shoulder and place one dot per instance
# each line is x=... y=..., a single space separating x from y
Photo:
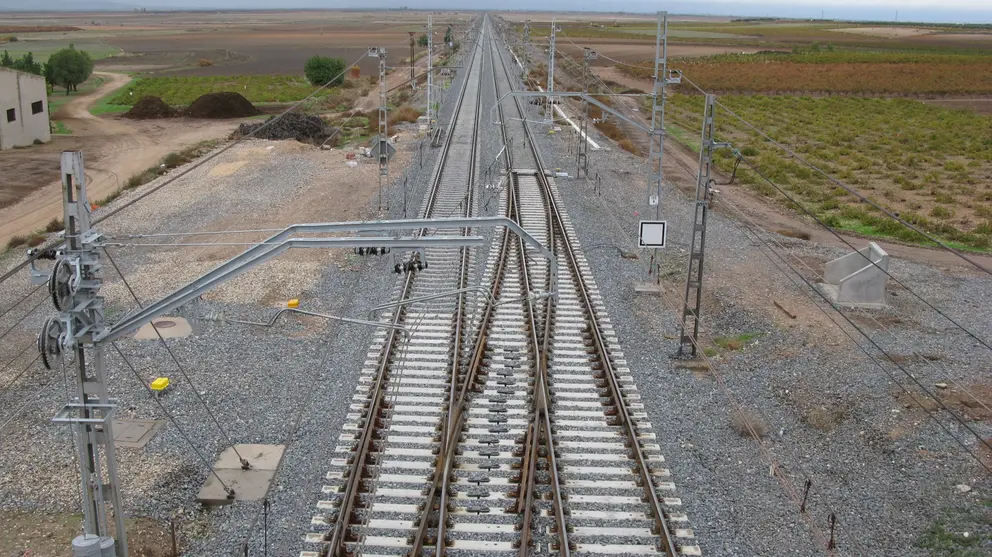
x=825 y=411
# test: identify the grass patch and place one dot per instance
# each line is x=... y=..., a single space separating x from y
x=181 y=91
x=735 y=342
x=959 y=532
x=59 y=128
x=43 y=48
x=59 y=97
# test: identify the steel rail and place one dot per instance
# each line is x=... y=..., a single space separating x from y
x=377 y=404
x=542 y=398
x=661 y=527
x=440 y=483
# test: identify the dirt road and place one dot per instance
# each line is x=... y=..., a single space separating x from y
x=114 y=149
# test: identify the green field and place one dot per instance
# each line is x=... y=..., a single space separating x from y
x=928 y=164
x=181 y=91
x=42 y=49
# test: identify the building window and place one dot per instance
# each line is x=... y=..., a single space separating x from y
x=37 y=107
x=11 y=115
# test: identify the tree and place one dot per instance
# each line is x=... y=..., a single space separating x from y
x=422 y=40
x=48 y=71
x=69 y=67
x=324 y=70
x=6 y=61
x=447 y=36
x=27 y=64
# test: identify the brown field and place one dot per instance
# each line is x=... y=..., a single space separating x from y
x=243 y=42
x=639 y=50
x=887 y=32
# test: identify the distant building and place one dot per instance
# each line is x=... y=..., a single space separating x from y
x=23 y=109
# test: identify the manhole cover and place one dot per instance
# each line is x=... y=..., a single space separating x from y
x=164 y=324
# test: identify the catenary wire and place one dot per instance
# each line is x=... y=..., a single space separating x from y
x=842 y=239
x=170 y=417
x=32 y=400
x=175 y=360
x=873 y=358
x=970 y=394
x=854 y=192
x=23 y=317
x=188 y=169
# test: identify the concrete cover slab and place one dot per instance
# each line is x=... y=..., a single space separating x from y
x=135 y=433
x=168 y=327
x=248 y=485
x=261 y=457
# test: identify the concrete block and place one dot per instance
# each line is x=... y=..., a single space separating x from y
x=248 y=485
x=858 y=278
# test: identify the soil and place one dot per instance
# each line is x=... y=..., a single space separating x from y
x=150 y=107
x=980 y=106
x=887 y=32
x=634 y=50
x=49 y=535
x=114 y=150
x=222 y=105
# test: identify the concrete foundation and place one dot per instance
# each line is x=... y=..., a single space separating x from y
x=248 y=485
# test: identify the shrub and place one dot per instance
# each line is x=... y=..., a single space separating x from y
x=204 y=63
x=402 y=114
x=36 y=240
x=172 y=160
x=941 y=213
x=16 y=241
x=629 y=146
x=54 y=225
x=324 y=70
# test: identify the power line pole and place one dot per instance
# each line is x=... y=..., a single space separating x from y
x=75 y=286
x=430 y=76
x=582 y=153
x=382 y=145
x=549 y=111
x=526 y=45
x=697 y=250
x=658 y=97
x=413 y=59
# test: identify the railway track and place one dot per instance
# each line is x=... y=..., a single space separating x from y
x=505 y=426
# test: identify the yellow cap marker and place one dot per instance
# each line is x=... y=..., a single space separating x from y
x=294 y=303
x=160 y=384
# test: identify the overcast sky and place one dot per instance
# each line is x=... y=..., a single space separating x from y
x=949 y=11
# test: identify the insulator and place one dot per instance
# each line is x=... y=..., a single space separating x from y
x=420 y=266
x=398 y=268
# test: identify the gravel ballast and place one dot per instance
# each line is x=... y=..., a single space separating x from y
x=830 y=415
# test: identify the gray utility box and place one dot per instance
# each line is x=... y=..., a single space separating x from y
x=858 y=278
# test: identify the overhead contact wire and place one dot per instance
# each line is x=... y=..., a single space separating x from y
x=182 y=370
x=171 y=417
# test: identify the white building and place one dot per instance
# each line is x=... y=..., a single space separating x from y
x=23 y=109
